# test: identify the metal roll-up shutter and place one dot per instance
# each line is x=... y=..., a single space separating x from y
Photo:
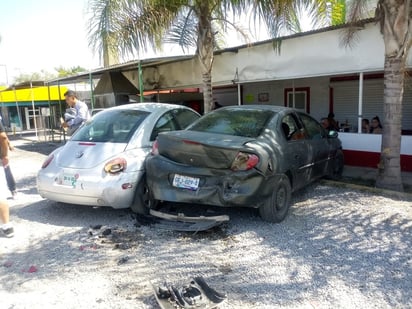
x=373 y=99
x=407 y=105
x=345 y=101
x=346 y=97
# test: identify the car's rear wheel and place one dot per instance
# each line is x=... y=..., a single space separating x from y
x=276 y=207
x=337 y=166
x=143 y=199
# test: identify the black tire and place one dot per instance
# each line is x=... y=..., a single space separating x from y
x=276 y=207
x=143 y=199
x=337 y=165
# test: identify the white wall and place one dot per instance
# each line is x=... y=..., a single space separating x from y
x=306 y=55
x=319 y=93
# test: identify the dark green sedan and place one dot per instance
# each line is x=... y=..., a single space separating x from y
x=251 y=156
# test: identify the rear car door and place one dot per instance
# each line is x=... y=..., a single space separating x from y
x=318 y=145
x=296 y=150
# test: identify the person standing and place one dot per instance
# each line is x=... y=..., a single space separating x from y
x=333 y=124
x=11 y=183
x=376 y=127
x=365 y=126
x=6 y=227
x=81 y=112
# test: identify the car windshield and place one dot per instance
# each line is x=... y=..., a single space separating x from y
x=115 y=126
x=240 y=122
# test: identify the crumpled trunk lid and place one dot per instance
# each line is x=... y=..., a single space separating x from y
x=201 y=149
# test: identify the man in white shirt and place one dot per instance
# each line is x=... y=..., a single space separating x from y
x=81 y=112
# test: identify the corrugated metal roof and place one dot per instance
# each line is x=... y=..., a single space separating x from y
x=133 y=65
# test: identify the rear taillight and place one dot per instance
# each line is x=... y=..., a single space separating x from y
x=155 y=148
x=115 y=166
x=244 y=161
x=47 y=161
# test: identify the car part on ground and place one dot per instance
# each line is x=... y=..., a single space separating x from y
x=195 y=294
x=183 y=223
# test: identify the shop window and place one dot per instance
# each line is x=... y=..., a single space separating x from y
x=298 y=98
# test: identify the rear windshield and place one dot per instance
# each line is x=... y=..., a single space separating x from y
x=239 y=122
x=115 y=126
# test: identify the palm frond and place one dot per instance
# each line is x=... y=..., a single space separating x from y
x=357 y=11
x=183 y=31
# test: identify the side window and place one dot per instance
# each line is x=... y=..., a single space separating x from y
x=290 y=128
x=165 y=123
x=313 y=129
x=185 y=117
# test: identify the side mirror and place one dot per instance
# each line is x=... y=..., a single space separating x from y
x=332 y=134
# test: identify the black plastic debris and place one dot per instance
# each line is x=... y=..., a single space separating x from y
x=123 y=260
x=197 y=294
x=107 y=232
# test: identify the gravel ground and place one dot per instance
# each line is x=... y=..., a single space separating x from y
x=338 y=248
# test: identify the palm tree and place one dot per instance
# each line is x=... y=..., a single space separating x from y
x=395 y=18
x=137 y=25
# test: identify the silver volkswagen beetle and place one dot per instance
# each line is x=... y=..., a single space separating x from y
x=103 y=162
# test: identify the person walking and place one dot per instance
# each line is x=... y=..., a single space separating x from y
x=11 y=183
x=81 y=113
x=6 y=227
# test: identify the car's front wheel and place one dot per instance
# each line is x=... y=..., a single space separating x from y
x=143 y=199
x=275 y=208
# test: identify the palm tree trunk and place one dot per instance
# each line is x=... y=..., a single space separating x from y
x=205 y=47
x=394 y=17
x=389 y=176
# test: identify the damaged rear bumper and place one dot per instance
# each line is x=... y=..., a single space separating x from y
x=216 y=187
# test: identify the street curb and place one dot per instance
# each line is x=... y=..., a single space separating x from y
x=400 y=195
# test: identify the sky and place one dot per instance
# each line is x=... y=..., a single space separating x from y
x=45 y=34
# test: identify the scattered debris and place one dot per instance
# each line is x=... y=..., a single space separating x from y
x=85 y=247
x=196 y=294
x=107 y=232
x=123 y=246
x=8 y=264
x=31 y=269
x=123 y=260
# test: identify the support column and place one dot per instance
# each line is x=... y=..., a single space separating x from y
x=360 y=102
x=239 y=95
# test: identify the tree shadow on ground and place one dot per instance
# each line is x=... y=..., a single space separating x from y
x=323 y=250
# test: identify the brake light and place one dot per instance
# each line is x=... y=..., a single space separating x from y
x=155 y=148
x=244 y=161
x=115 y=166
x=47 y=161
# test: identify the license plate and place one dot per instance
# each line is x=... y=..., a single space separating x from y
x=70 y=180
x=186 y=182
